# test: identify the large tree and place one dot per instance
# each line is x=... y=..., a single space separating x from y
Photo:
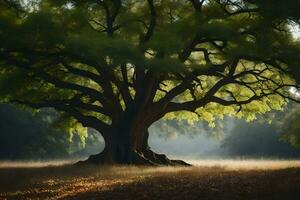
x=119 y=66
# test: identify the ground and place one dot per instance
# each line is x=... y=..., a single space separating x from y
x=208 y=180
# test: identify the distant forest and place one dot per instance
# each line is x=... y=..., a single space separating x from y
x=27 y=135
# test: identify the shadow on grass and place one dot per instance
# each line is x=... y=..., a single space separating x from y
x=68 y=182
x=197 y=185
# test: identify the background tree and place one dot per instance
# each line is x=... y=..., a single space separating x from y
x=256 y=140
x=29 y=136
x=119 y=66
x=289 y=125
x=25 y=136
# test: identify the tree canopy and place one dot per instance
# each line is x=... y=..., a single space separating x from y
x=127 y=64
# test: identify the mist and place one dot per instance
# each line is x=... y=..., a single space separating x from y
x=236 y=139
x=27 y=136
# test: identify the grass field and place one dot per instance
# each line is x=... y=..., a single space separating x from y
x=209 y=179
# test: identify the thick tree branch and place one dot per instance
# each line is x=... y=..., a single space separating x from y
x=197 y=4
x=87 y=121
x=40 y=74
x=152 y=24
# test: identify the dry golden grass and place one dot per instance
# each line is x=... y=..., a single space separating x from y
x=213 y=180
x=249 y=164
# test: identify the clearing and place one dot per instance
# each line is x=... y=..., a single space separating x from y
x=209 y=179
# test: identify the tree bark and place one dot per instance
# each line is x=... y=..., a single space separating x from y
x=128 y=144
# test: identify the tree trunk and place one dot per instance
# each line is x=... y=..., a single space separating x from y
x=128 y=144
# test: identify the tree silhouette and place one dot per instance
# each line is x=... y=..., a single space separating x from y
x=119 y=66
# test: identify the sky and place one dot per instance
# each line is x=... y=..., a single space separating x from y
x=295 y=28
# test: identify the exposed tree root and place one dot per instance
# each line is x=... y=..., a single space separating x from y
x=147 y=158
x=162 y=159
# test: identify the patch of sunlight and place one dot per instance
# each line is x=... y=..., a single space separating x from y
x=247 y=164
x=295 y=29
x=34 y=164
